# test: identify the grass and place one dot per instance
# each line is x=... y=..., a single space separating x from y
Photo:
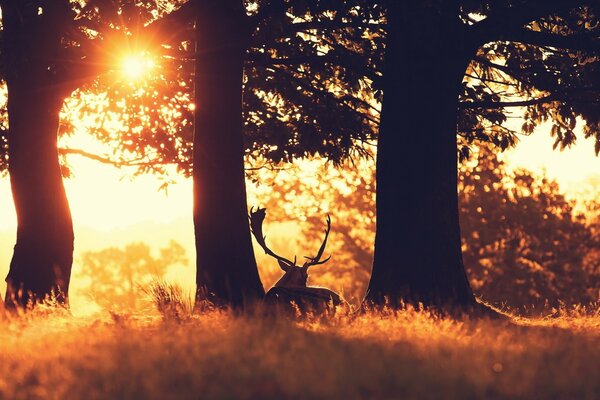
x=219 y=355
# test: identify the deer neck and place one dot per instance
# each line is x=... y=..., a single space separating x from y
x=292 y=278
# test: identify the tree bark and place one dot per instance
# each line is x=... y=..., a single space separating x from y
x=226 y=266
x=43 y=254
x=417 y=246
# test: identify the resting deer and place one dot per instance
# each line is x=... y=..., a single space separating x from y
x=291 y=287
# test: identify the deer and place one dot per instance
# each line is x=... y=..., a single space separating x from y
x=292 y=286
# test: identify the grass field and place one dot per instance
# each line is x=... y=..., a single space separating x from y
x=218 y=355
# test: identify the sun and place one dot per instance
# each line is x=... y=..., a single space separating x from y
x=137 y=66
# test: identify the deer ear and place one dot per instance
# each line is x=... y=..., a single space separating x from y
x=283 y=265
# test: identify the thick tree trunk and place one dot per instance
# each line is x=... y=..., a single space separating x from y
x=43 y=254
x=226 y=267
x=417 y=247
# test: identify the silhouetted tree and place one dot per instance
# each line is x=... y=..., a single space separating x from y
x=286 y=101
x=32 y=40
x=480 y=58
x=49 y=48
x=285 y=116
x=226 y=267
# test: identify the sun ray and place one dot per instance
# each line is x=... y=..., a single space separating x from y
x=137 y=66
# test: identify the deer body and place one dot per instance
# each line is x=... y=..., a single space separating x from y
x=307 y=298
x=292 y=286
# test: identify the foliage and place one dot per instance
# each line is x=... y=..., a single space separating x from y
x=290 y=88
x=313 y=76
x=524 y=243
x=117 y=276
x=540 y=60
x=144 y=121
x=308 y=80
x=296 y=73
x=94 y=38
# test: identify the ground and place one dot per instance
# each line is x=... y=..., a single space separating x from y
x=375 y=355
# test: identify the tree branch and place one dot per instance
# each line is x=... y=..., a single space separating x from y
x=503 y=104
x=581 y=42
x=502 y=22
x=63 y=151
x=356 y=64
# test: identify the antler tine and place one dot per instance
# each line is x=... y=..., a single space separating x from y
x=256 y=219
x=316 y=259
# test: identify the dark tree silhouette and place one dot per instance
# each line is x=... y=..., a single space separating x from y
x=43 y=254
x=201 y=63
x=417 y=241
x=226 y=267
x=284 y=117
x=510 y=61
x=49 y=48
x=286 y=101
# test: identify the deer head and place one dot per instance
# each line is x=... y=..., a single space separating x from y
x=295 y=275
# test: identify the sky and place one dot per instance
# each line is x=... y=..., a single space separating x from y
x=571 y=167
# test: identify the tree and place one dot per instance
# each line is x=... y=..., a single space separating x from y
x=513 y=53
x=49 y=48
x=224 y=36
x=41 y=264
x=116 y=275
x=226 y=267
x=277 y=83
x=287 y=89
x=524 y=243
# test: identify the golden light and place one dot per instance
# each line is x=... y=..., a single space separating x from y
x=136 y=66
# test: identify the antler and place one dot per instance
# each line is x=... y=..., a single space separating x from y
x=316 y=259
x=256 y=219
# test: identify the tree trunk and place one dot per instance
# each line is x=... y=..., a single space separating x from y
x=226 y=267
x=43 y=254
x=417 y=246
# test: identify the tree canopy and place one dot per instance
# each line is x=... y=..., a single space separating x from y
x=305 y=60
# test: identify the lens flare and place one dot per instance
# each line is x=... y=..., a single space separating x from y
x=136 y=66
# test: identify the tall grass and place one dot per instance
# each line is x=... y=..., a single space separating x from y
x=375 y=355
x=170 y=300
